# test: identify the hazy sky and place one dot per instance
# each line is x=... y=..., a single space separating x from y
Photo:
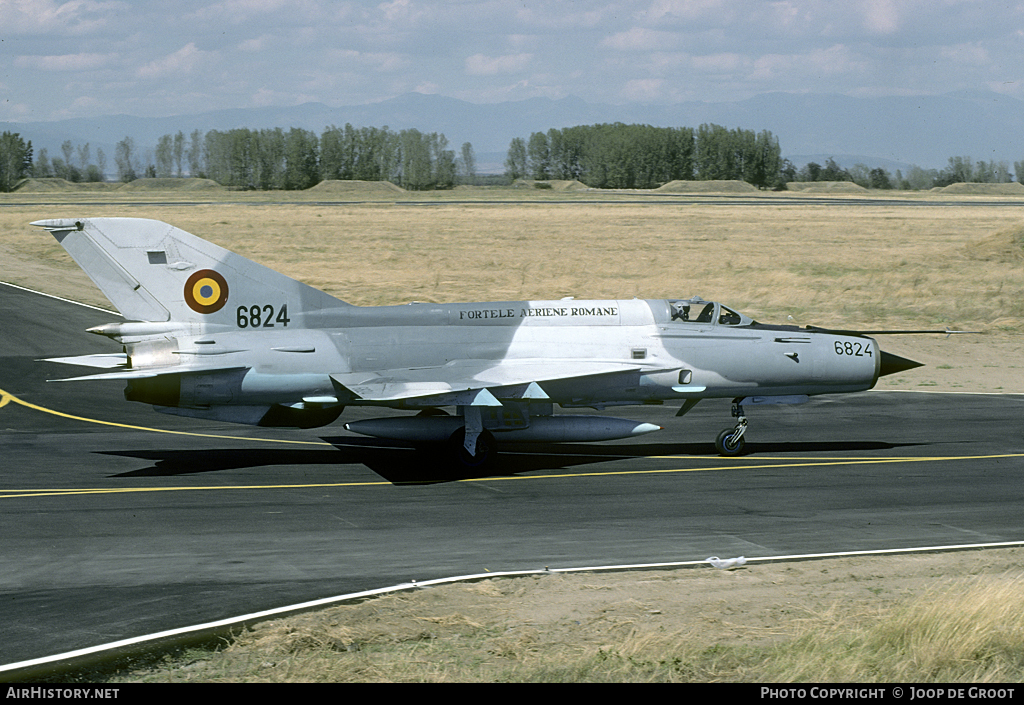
x=168 y=57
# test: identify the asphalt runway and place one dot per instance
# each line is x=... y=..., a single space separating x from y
x=115 y=522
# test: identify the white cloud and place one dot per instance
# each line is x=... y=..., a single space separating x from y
x=65 y=62
x=480 y=65
x=644 y=89
x=381 y=62
x=49 y=16
x=265 y=97
x=967 y=55
x=881 y=16
x=720 y=63
x=688 y=9
x=641 y=39
x=801 y=72
x=772 y=66
x=239 y=11
x=233 y=53
x=185 y=60
x=555 y=16
x=837 y=59
x=257 y=44
x=85 y=103
x=401 y=10
x=524 y=41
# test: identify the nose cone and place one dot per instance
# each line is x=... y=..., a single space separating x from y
x=891 y=364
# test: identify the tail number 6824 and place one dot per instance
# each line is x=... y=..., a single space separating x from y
x=257 y=316
x=853 y=348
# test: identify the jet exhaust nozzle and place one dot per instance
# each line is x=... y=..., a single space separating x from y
x=892 y=364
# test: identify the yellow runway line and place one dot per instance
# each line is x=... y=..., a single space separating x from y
x=757 y=463
x=6 y=397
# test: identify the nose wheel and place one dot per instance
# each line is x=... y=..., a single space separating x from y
x=730 y=441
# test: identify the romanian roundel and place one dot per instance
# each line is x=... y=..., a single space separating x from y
x=206 y=291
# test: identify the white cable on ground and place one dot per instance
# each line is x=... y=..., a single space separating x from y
x=210 y=628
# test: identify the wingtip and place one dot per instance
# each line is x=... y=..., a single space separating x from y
x=60 y=227
x=55 y=223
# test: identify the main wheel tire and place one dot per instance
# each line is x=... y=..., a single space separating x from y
x=728 y=444
x=486 y=450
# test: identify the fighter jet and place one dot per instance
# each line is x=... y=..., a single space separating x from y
x=209 y=334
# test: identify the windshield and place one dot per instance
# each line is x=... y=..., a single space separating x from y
x=728 y=317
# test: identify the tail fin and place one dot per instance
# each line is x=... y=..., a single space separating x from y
x=152 y=271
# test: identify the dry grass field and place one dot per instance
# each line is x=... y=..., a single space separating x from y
x=935 y=618
x=855 y=265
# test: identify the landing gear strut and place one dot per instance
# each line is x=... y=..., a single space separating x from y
x=484 y=447
x=472 y=447
x=730 y=442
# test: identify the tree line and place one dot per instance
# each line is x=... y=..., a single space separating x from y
x=15 y=160
x=601 y=156
x=257 y=159
x=958 y=170
x=272 y=159
x=641 y=156
x=77 y=165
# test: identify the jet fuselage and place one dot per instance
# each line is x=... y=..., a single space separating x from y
x=658 y=358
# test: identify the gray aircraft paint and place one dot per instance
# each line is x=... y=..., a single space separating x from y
x=213 y=335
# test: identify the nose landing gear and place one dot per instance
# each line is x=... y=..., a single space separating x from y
x=730 y=441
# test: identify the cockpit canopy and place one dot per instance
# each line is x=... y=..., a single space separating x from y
x=698 y=311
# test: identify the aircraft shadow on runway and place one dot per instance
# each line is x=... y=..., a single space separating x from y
x=170 y=463
x=400 y=464
x=431 y=467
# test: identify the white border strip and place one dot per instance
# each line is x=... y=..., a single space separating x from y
x=937 y=391
x=401 y=587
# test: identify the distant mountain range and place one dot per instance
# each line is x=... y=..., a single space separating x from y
x=889 y=132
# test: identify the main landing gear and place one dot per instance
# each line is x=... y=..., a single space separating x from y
x=472 y=447
x=730 y=441
x=485 y=450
